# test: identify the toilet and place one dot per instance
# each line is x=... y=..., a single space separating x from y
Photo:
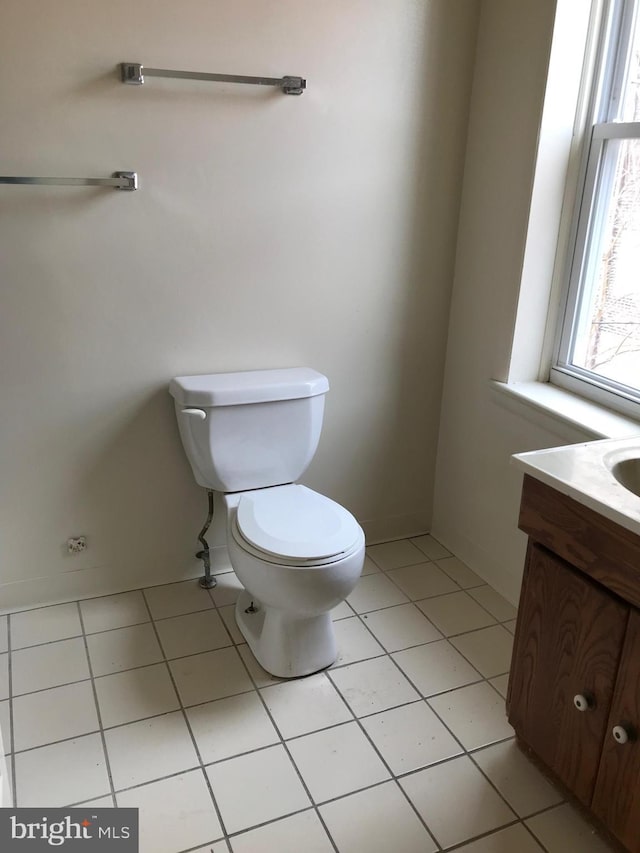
x=297 y=553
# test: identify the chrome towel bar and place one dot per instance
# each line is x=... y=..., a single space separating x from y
x=119 y=181
x=134 y=74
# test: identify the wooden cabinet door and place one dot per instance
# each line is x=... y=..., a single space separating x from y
x=616 y=800
x=568 y=642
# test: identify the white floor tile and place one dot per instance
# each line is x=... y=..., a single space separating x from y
x=45 y=625
x=226 y=590
x=459 y=572
x=369 y=567
x=39 y=782
x=4 y=676
x=305 y=705
x=489 y=649
x=475 y=714
x=376 y=820
x=410 y=737
x=256 y=788
x=422 y=581
x=5 y=726
x=175 y=599
x=435 y=667
x=409 y=596
x=48 y=666
x=374 y=592
x=519 y=781
x=354 y=642
x=456 y=801
x=300 y=832
x=392 y=555
x=400 y=627
x=562 y=829
x=231 y=726
x=513 y=839
x=175 y=814
x=209 y=676
x=125 y=697
x=113 y=611
x=192 y=633
x=55 y=714
x=501 y=683
x=337 y=761
x=261 y=677
x=430 y=546
x=373 y=685
x=455 y=613
x=123 y=648
x=342 y=611
x=494 y=603
x=150 y=749
x=228 y=613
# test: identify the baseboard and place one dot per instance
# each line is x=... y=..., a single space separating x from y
x=102 y=580
x=396 y=527
x=108 y=580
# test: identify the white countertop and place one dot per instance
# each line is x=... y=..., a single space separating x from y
x=583 y=472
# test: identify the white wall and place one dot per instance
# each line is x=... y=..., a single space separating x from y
x=477 y=493
x=268 y=231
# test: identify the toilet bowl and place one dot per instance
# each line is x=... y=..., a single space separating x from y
x=298 y=554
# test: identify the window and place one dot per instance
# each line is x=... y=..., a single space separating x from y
x=598 y=349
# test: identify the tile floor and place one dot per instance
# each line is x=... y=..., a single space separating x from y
x=151 y=699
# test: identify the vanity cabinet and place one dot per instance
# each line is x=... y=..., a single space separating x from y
x=616 y=799
x=574 y=689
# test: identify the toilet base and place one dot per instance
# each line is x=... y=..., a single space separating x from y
x=284 y=644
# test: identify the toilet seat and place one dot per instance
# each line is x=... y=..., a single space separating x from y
x=293 y=525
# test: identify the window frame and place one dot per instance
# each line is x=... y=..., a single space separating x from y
x=603 y=90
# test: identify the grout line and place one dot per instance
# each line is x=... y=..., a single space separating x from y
x=188 y=724
x=224 y=840
x=14 y=785
x=309 y=808
x=48 y=642
x=191 y=769
x=279 y=733
x=416 y=600
x=288 y=752
x=97 y=707
x=482 y=835
x=465 y=751
x=392 y=775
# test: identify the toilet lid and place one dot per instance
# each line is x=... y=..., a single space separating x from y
x=296 y=523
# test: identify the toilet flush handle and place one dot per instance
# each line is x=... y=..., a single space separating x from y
x=195 y=413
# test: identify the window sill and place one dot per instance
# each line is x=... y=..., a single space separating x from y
x=554 y=408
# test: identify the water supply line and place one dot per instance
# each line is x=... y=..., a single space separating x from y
x=208 y=581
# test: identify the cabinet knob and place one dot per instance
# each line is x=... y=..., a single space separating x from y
x=620 y=734
x=583 y=701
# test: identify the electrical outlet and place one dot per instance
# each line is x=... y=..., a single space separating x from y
x=76 y=544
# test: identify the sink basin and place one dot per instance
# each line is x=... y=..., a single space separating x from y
x=627 y=473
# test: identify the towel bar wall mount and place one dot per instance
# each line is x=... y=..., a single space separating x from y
x=134 y=74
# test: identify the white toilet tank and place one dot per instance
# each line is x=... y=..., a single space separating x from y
x=251 y=429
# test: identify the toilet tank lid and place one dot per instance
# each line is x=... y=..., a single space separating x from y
x=248 y=386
